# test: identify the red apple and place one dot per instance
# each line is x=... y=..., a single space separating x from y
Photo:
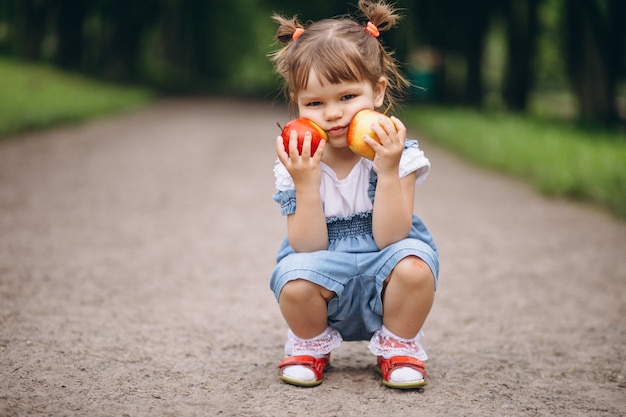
x=360 y=126
x=302 y=126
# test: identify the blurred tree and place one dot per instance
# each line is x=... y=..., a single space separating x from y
x=205 y=43
x=123 y=25
x=522 y=28
x=476 y=16
x=30 y=17
x=595 y=32
x=70 y=18
x=8 y=29
x=458 y=26
x=221 y=45
x=185 y=33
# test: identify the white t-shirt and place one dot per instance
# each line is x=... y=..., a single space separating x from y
x=346 y=197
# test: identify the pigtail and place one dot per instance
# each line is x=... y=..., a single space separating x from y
x=288 y=29
x=383 y=15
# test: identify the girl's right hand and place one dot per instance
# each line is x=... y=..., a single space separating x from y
x=306 y=228
x=304 y=168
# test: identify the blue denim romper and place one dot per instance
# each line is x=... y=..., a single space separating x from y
x=352 y=267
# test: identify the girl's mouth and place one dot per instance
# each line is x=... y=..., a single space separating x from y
x=337 y=131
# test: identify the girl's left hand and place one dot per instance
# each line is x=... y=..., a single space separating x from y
x=389 y=150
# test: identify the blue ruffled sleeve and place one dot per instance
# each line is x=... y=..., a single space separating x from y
x=287 y=201
x=286 y=191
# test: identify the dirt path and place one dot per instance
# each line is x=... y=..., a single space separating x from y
x=134 y=262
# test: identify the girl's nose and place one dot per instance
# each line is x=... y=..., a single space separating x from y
x=333 y=112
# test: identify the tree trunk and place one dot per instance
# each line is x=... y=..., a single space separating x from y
x=522 y=29
x=126 y=23
x=594 y=56
x=31 y=18
x=70 y=19
x=474 y=50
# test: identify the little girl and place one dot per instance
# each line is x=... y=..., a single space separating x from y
x=356 y=263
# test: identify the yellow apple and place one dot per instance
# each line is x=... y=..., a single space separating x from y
x=360 y=126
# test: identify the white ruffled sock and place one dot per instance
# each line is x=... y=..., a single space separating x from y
x=386 y=344
x=318 y=347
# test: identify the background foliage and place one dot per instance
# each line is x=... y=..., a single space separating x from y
x=493 y=74
x=484 y=53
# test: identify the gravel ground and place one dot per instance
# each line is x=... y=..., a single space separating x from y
x=135 y=255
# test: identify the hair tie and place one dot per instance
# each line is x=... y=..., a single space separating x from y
x=297 y=33
x=372 y=29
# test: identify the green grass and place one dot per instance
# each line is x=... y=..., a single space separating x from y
x=38 y=96
x=557 y=158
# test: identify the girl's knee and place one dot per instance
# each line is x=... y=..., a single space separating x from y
x=412 y=272
x=302 y=290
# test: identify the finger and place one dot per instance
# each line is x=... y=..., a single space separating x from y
x=399 y=126
x=317 y=156
x=387 y=124
x=373 y=143
x=293 y=144
x=381 y=132
x=306 y=144
x=280 y=147
x=282 y=154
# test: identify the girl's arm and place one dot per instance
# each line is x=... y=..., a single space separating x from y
x=306 y=228
x=393 y=204
x=393 y=209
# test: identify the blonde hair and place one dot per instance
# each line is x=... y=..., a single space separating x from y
x=338 y=49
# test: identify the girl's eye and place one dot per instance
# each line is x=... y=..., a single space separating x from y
x=348 y=97
x=313 y=103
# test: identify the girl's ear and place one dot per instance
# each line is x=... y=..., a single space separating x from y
x=379 y=92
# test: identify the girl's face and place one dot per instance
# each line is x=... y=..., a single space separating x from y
x=332 y=106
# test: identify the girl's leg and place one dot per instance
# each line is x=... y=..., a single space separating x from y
x=408 y=297
x=304 y=306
